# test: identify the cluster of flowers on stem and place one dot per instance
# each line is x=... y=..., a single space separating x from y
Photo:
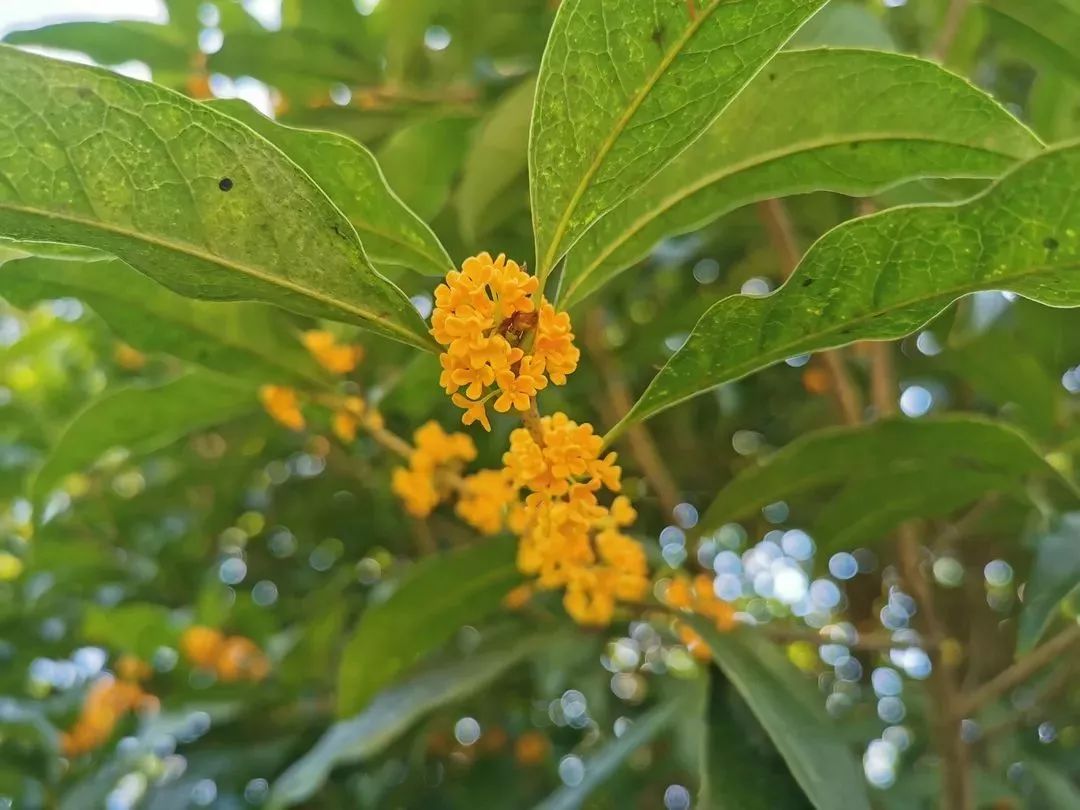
x=106 y=703
x=698 y=596
x=230 y=658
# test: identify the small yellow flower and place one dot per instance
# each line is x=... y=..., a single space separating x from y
x=484 y=499
x=283 y=405
x=422 y=485
x=334 y=357
x=474 y=411
x=128 y=357
x=10 y=566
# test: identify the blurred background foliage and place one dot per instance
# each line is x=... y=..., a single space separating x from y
x=226 y=520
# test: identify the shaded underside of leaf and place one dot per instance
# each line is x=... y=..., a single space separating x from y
x=391 y=713
x=349 y=174
x=180 y=192
x=143 y=419
x=624 y=87
x=899 y=450
x=248 y=340
x=436 y=598
x=1055 y=575
x=792 y=713
x=883 y=276
x=879 y=119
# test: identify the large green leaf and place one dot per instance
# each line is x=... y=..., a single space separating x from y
x=180 y=192
x=624 y=87
x=349 y=174
x=878 y=119
x=883 y=276
x=242 y=339
x=1054 y=576
x=143 y=419
x=1047 y=31
x=740 y=768
x=608 y=760
x=437 y=597
x=161 y=47
x=892 y=450
x=392 y=712
x=422 y=160
x=792 y=713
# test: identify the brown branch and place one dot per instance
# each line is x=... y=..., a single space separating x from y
x=1020 y=671
x=950 y=27
x=785 y=242
x=638 y=437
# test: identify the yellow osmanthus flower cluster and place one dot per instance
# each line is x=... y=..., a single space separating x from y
x=497 y=337
x=107 y=702
x=335 y=357
x=434 y=464
x=230 y=658
x=568 y=539
x=698 y=596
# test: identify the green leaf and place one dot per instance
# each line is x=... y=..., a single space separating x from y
x=180 y=192
x=252 y=341
x=162 y=47
x=1046 y=31
x=391 y=713
x=608 y=760
x=792 y=713
x=143 y=419
x=497 y=158
x=421 y=161
x=624 y=87
x=437 y=597
x=914 y=120
x=1055 y=787
x=740 y=769
x=140 y=628
x=846 y=25
x=349 y=174
x=893 y=450
x=883 y=276
x=1054 y=576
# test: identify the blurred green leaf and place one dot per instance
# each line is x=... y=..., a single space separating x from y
x=139 y=628
x=896 y=451
x=251 y=341
x=392 y=712
x=740 y=769
x=1054 y=576
x=421 y=160
x=434 y=600
x=497 y=159
x=624 y=88
x=143 y=419
x=162 y=47
x=181 y=193
x=791 y=711
x=846 y=25
x=1055 y=788
x=883 y=276
x=611 y=757
x=914 y=120
x=1046 y=31
x=349 y=174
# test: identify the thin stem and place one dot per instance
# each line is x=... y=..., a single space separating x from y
x=1020 y=671
x=642 y=446
x=785 y=242
x=950 y=27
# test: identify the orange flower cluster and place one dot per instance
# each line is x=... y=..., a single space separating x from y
x=106 y=703
x=283 y=405
x=568 y=539
x=698 y=596
x=483 y=499
x=232 y=658
x=333 y=356
x=436 y=458
x=496 y=337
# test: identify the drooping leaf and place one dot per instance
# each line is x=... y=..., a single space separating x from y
x=1057 y=791
x=162 y=47
x=992 y=452
x=883 y=276
x=610 y=758
x=422 y=160
x=846 y=25
x=792 y=713
x=1046 y=31
x=1054 y=576
x=496 y=159
x=436 y=598
x=624 y=87
x=180 y=192
x=878 y=119
x=740 y=769
x=349 y=174
x=143 y=419
x=247 y=340
x=391 y=713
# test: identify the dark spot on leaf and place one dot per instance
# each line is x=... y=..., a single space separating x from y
x=1050 y=243
x=854 y=145
x=338 y=231
x=658 y=36
x=84 y=92
x=225 y=184
x=772 y=77
x=806 y=282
